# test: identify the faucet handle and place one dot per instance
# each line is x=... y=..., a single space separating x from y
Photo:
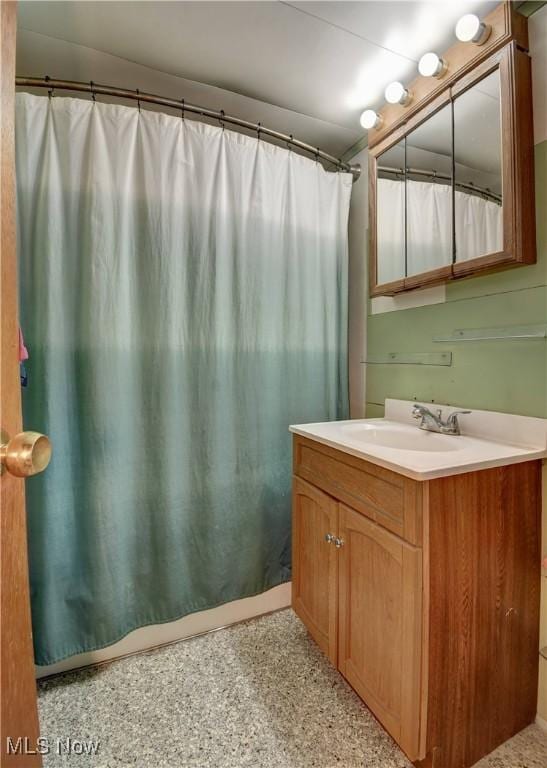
x=454 y=416
x=417 y=411
x=452 y=426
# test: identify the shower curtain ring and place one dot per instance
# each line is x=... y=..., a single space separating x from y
x=138 y=100
x=92 y=86
x=317 y=154
x=289 y=143
x=221 y=119
x=182 y=109
x=47 y=78
x=258 y=129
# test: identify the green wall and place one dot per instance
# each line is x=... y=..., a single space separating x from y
x=509 y=375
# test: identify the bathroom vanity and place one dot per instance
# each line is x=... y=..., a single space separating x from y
x=416 y=569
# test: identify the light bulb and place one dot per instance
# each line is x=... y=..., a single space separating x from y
x=431 y=65
x=470 y=29
x=396 y=93
x=370 y=119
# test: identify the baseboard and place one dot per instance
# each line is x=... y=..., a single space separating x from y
x=541 y=722
x=162 y=634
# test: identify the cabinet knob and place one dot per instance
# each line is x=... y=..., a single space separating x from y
x=329 y=538
x=338 y=543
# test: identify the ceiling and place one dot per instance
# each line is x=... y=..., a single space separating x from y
x=326 y=60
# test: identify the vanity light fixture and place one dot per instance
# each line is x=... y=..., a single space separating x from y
x=370 y=119
x=431 y=65
x=396 y=93
x=470 y=29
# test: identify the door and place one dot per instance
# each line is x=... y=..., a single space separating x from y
x=380 y=620
x=315 y=563
x=22 y=455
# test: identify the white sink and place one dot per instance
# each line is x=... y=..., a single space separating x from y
x=402 y=438
x=396 y=442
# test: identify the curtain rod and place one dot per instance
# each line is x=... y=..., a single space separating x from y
x=444 y=177
x=124 y=93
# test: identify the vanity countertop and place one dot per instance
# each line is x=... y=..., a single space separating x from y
x=488 y=439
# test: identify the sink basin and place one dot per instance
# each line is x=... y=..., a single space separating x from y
x=402 y=438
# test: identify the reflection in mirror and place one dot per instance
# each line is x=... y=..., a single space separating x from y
x=390 y=214
x=478 y=177
x=429 y=194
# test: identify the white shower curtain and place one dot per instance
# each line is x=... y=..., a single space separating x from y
x=479 y=227
x=428 y=226
x=184 y=299
x=390 y=242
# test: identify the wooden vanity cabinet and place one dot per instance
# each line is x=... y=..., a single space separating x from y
x=425 y=595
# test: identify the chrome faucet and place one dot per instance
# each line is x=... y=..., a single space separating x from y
x=434 y=423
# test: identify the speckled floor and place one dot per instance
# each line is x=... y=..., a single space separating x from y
x=258 y=694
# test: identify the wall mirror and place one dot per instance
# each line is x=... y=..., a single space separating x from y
x=478 y=196
x=451 y=188
x=429 y=194
x=391 y=225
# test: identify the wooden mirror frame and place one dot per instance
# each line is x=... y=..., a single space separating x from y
x=517 y=147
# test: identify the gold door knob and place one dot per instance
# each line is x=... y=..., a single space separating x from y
x=26 y=454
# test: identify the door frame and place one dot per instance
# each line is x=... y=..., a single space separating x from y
x=19 y=727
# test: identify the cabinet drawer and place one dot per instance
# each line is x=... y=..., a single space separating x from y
x=391 y=500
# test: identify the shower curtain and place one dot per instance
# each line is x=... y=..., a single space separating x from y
x=184 y=299
x=479 y=226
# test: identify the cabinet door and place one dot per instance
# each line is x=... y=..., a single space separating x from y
x=314 y=563
x=380 y=592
